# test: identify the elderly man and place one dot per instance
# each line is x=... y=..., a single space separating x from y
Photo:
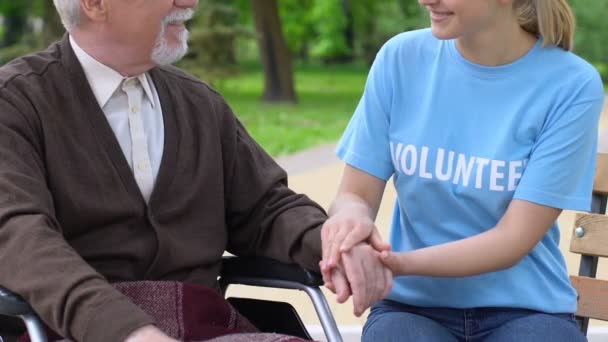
x=115 y=167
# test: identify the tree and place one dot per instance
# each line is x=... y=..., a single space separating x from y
x=298 y=26
x=15 y=20
x=377 y=21
x=366 y=14
x=215 y=30
x=592 y=33
x=331 y=20
x=349 y=29
x=275 y=56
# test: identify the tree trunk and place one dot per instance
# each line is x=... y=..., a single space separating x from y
x=276 y=59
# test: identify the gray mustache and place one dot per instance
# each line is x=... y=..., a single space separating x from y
x=179 y=16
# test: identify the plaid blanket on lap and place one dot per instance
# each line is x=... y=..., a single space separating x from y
x=190 y=312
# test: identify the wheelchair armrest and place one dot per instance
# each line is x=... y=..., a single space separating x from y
x=265 y=268
x=13 y=305
x=258 y=271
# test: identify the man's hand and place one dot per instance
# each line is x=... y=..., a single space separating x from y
x=369 y=279
x=149 y=333
x=338 y=284
x=362 y=275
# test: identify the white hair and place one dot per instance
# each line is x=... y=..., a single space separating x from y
x=69 y=11
x=163 y=54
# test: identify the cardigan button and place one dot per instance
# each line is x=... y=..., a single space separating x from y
x=142 y=166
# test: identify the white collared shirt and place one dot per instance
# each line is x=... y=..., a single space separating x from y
x=106 y=85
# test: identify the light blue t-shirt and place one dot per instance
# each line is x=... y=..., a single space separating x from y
x=461 y=140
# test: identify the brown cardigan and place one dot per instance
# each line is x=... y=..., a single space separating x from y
x=72 y=217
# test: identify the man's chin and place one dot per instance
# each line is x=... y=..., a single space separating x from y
x=167 y=56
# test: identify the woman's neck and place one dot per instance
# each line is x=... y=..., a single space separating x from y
x=503 y=45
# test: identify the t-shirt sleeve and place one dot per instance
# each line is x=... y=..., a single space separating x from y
x=561 y=166
x=365 y=142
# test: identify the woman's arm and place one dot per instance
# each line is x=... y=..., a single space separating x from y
x=523 y=225
x=352 y=215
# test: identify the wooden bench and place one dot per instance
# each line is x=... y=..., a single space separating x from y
x=590 y=240
x=600 y=184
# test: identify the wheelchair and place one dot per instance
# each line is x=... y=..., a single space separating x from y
x=255 y=271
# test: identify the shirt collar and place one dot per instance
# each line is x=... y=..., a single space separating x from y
x=103 y=79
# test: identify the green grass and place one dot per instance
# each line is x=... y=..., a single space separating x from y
x=327 y=97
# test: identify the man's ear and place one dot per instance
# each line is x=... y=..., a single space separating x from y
x=94 y=10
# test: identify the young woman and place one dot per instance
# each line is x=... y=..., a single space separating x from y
x=488 y=125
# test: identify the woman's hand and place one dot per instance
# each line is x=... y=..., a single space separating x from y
x=351 y=218
x=347 y=228
x=395 y=261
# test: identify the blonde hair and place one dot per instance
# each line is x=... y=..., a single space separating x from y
x=552 y=20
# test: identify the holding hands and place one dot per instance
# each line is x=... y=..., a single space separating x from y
x=353 y=267
x=347 y=228
x=352 y=249
x=368 y=279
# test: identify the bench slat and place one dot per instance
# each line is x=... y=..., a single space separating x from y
x=595 y=239
x=593 y=297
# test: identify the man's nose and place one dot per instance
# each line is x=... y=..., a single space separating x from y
x=186 y=3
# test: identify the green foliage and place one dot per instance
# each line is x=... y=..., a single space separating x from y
x=591 y=39
x=319 y=28
x=396 y=17
x=214 y=33
x=414 y=15
x=15 y=38
x=18 y=34
x=298 y=25
x=11 y=7
x=330 y=25
x=15 y=19
x=602 y=68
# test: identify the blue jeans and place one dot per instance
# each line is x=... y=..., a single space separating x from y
x=393 y=321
